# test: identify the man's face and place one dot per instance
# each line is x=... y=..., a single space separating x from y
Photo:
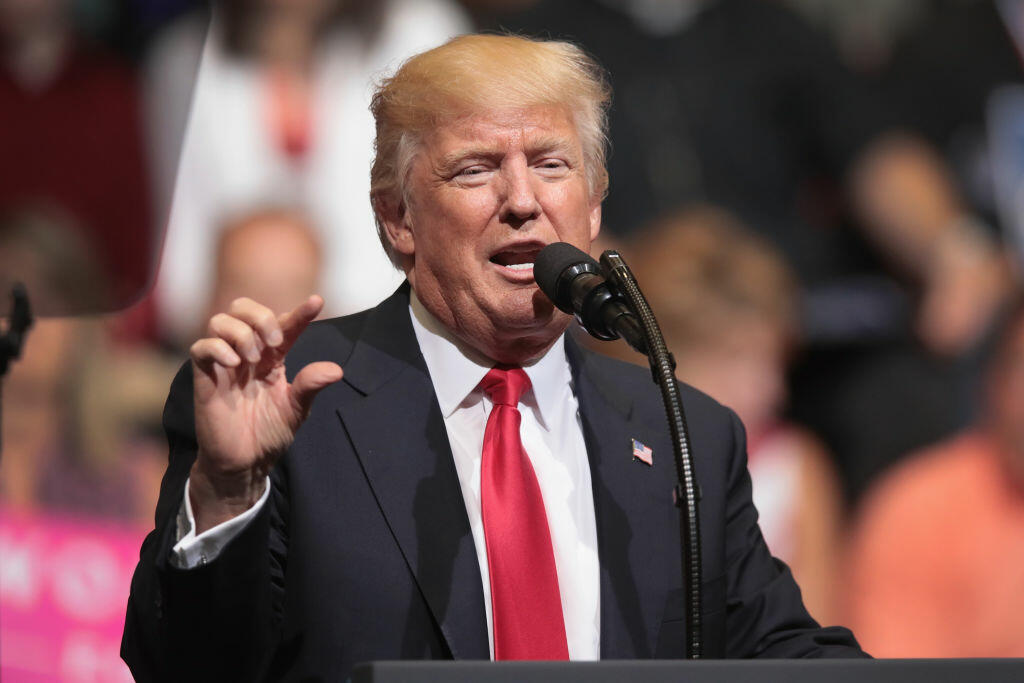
x=488 y=192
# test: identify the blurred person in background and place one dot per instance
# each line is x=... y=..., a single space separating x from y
x=118 y=398
x=71 y=137
x=35 y=421
x=270 y=255
x=52 y=410
x=935 y=563
x=958 y=80
x=82 y=459
x=865 y=32
x=279 y=115
x=115 y=403
x=729 y=309
x=740 y=104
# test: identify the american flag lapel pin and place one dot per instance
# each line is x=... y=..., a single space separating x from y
x=643 y=453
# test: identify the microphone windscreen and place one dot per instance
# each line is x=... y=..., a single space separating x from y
x=551 y=262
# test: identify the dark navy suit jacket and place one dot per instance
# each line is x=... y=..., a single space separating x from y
x=364 y=550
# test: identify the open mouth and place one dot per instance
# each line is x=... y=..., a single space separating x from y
x=516 y=260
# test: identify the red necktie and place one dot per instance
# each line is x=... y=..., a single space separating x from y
x=525 y=602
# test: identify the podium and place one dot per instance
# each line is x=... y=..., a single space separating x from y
x=700 y=671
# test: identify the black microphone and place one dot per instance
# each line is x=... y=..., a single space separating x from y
x=575 y=284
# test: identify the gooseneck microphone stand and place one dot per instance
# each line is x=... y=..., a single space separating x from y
x=686 y=493
x=14 y=336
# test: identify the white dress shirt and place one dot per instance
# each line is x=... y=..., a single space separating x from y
x=552 y=437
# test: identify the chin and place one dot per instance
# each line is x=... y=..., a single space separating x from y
x=526 y=309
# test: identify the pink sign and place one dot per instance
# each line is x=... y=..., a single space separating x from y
x=64 y=585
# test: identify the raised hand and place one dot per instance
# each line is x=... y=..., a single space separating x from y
x=966 y=285
x=246 y=411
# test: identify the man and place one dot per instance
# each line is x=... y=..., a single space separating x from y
x=387 y=529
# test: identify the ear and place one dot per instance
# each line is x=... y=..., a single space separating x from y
x=595 y=219
x=394 y=216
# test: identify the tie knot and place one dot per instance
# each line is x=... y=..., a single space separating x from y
x=505 y=386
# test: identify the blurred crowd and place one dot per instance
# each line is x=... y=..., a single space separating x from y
x=821 y=199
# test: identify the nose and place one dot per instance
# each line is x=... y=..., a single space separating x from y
x=520 y=203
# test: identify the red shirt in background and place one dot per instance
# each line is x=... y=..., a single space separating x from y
x=937 y=560
x=77 y=144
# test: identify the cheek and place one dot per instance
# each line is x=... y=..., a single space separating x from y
x=464 y=209
x=569 y=212
x=454 y=224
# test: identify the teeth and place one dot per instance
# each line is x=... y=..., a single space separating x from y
x=520 y=266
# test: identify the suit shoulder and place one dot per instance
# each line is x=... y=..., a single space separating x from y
x=331 y=339
x=635 y=383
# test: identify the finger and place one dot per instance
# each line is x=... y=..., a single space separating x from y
x=210 y=350
x=295 y=321
x=311 y=379
x=260 y=318
x=238 y=334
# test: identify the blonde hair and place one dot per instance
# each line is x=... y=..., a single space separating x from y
x=474 y=73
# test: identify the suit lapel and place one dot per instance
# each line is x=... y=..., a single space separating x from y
x=635 y=515
x=398 y=434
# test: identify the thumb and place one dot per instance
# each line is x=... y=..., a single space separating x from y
x=311 y=379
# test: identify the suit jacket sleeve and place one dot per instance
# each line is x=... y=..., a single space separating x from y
x=215 y=622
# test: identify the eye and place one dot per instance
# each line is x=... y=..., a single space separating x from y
x=472 y=175
x=552 y=167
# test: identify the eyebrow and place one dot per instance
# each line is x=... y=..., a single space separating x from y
x=449 y=161
x=549 y=143
x=537 y=146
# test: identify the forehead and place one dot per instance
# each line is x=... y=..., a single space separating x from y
x=544 y=125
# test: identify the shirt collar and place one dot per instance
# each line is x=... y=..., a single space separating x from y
x=456 y=368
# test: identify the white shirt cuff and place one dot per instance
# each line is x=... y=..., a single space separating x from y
x=191 y=550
